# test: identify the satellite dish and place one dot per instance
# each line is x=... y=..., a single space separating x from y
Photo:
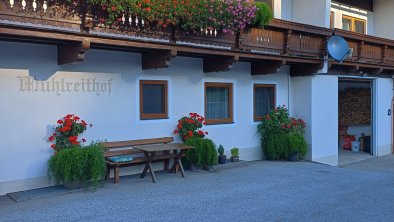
x=338 y=48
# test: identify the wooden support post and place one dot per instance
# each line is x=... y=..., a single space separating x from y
x=384 y=53
x=87 y=18
x=72 y=52
x=219 y=63
x=287 y=42
x=157 y=59
x=360 y=51
x=265 y=67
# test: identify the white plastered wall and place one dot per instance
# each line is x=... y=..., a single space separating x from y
x=383 y=18
x=286 y=9
x=315 y=99
x=28 y=115
x=315 y=12
x=383 y=90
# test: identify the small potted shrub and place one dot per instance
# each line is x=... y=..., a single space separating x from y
x=234 y=154
x=221 y=157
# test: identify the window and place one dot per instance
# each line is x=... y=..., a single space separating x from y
x=218 y=103
x=153 y=99
x=263 y=100
x=332 y=19
x=353 y=24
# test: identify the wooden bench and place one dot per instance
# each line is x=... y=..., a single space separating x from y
x=119 y=148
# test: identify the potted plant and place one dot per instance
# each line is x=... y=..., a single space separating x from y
x=234 y=154
x=204 y=153
x=221 y=157
x=78 y=166
x=73 y=164
x=282 y=136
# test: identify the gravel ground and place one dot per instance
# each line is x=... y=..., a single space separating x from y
x=255 y=191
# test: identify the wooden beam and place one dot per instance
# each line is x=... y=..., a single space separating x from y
x=353 y=68
x=72 y=52
x=157 y=58
x=377 y=71
x=372 y=71
x=304 y=69
x=219 y=63
x=265 y=67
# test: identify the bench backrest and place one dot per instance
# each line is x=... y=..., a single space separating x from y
x=112 y=148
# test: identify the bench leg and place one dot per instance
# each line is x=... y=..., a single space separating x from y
x=116 y=174
x=166 y=162
x=107 y=172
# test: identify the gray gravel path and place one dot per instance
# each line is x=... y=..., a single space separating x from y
x=256 y=191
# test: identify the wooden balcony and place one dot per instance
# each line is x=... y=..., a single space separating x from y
x=372 y=54
x=75 y=28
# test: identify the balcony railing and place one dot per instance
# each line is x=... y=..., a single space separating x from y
x=279 y=39
x=368 y=49
x=44 y=14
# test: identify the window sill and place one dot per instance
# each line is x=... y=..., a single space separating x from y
x=213 y=124
x=154 y=118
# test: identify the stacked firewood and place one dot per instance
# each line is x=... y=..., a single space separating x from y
x=355 y=106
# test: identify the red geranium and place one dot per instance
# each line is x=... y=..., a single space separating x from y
x=190 y=126
x=67 y=132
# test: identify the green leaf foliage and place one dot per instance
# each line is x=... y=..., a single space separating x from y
x=296 y=142
x=279 y=146
x=78 y=164
x=275 y=146
x=235 y=151
x=204 y=153
x=281 y=135
x=221 y=150
x=263 y=14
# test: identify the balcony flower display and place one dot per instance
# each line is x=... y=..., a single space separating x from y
x=226 y=15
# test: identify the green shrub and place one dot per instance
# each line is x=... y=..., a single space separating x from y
x=204 y=153
x=263 y=14
x=234 y=151
x=78 y=164
x=275 y=146
x=281 y=135
x=279 y=146
x=296 y=142
x=221 y=150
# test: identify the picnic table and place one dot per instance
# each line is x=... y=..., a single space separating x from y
x=169 y=150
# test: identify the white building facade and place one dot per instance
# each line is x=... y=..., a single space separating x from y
x=104 y=90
